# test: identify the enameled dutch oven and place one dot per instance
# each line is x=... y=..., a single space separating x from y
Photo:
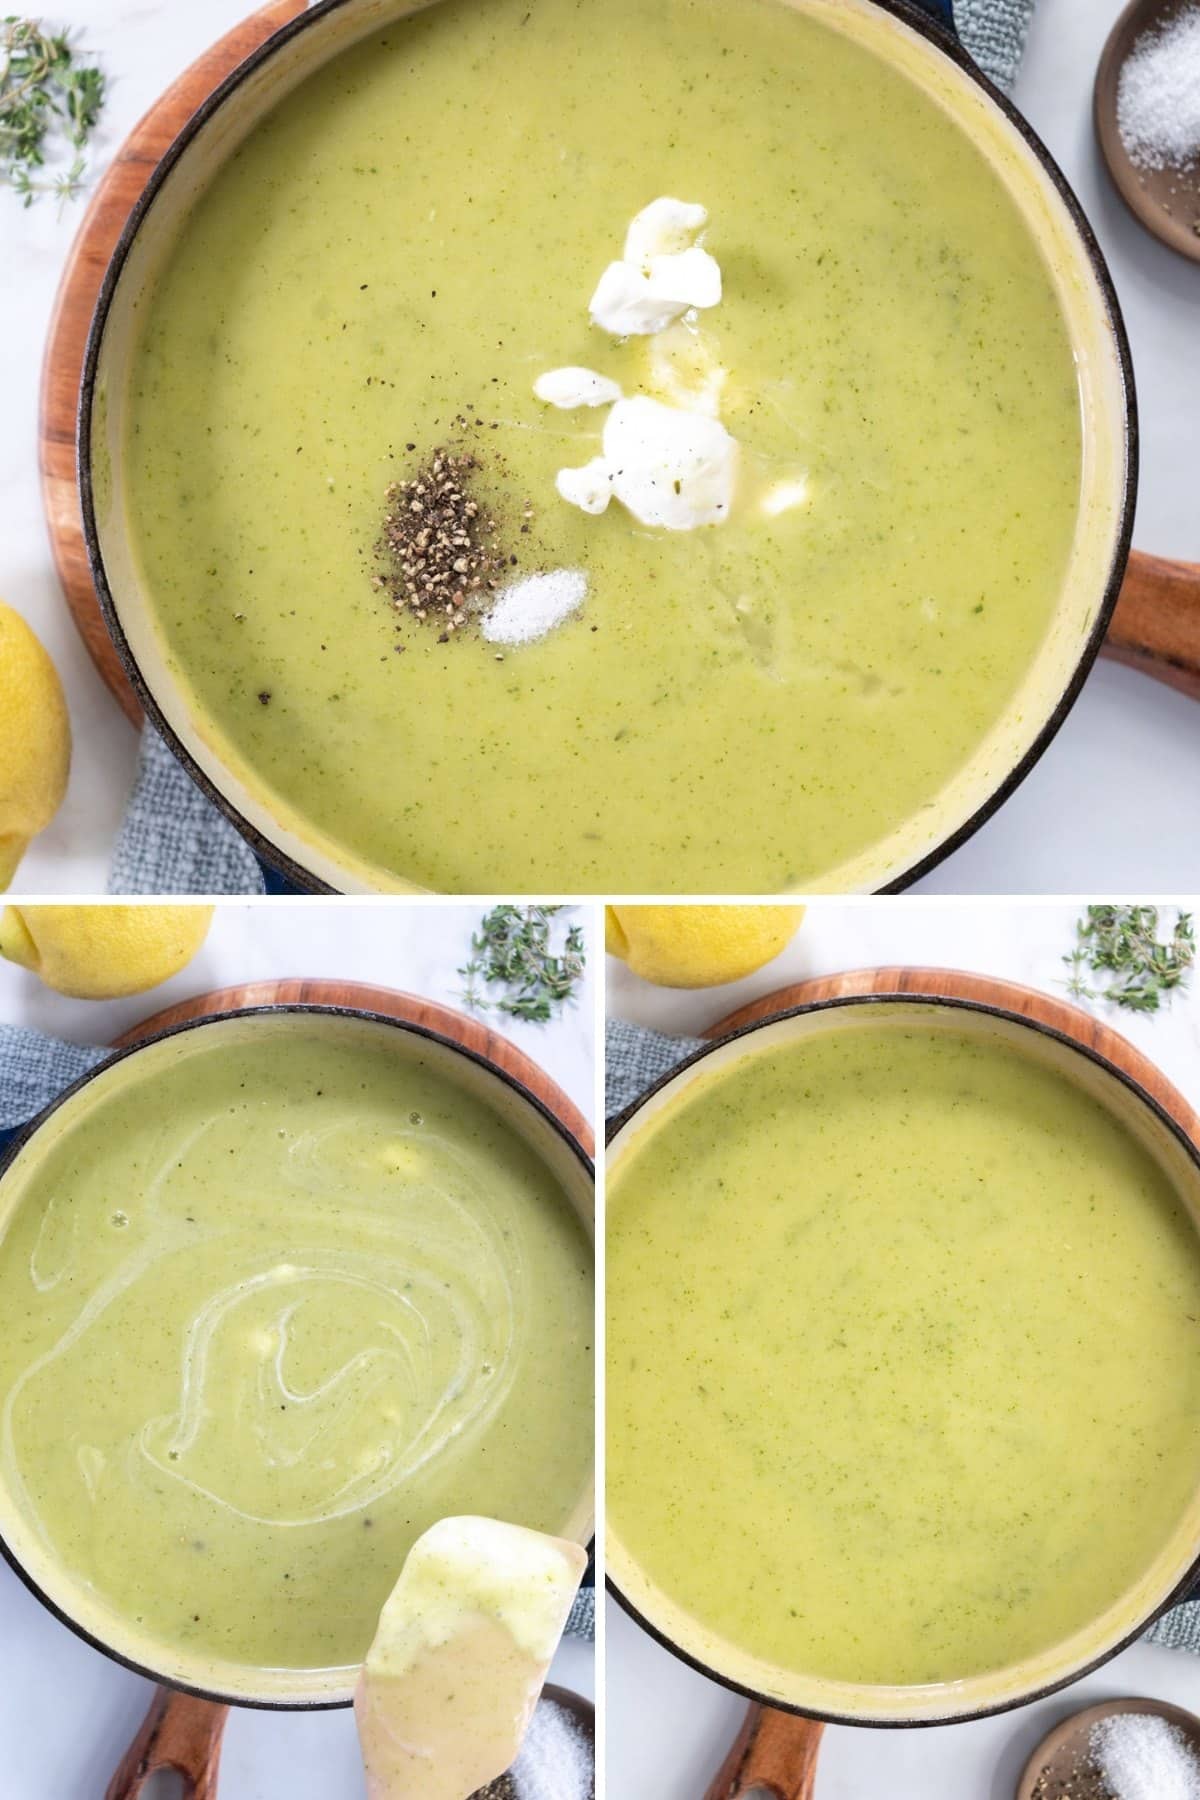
x=919 y=40
x=67 y=1597
x=1059 y=1047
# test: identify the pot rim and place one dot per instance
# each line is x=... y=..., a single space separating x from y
x=26 y=1134
x=936 y=35
x=1187 y=1583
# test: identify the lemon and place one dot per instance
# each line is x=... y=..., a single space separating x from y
x=103 y=952
x=698 y=946
x=35 y=740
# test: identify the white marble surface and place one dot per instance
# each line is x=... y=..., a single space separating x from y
x=66 y=1712
x=1104 y=808
x=416 y=945
x=669 y=1727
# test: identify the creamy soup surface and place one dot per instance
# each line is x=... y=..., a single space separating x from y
x=928 y=1318
x=271 y=1311
x=415 y=234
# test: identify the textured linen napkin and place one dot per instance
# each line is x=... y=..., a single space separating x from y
x=35 y=1068
x=175 y=841
x=994 y=32
x=634 y=1059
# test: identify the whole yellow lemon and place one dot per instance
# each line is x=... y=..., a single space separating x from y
x=698 y=946
x=103 y=952
x=35 y=740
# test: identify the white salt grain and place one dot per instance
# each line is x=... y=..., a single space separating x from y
x=534 y=605
x=1158 y=95
x=556 y=1760
x=1144 y=1757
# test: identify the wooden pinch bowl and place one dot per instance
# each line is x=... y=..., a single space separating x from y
x=1166 y=201
x=1059 y=1753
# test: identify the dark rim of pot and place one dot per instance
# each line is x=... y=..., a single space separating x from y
x=14 y=1149
x=925 y=27
x=1187 y=1582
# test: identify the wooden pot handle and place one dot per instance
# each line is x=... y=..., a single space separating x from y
x=1156 y=627
x=775 y=1751
x=179 y=1732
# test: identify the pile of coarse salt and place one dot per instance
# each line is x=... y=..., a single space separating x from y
x=556 y=1760
x=1142 y=1756
x=1158 y=95
x=529 y=608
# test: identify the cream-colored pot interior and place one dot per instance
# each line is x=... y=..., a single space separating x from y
x=942 y=1701
x=339 y=23
x=79 y=1604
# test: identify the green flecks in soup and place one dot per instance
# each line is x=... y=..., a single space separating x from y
x=269 y=1313
x=930 y=1320
x=416 y=233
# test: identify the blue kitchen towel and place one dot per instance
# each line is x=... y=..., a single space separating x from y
x=34 y=1069
x=634 y=1059
x=581 y=1621
x=994 y=32
x=175 y=841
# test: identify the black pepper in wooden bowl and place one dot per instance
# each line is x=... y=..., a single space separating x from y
x=504 y=1789
x=1082 y=1781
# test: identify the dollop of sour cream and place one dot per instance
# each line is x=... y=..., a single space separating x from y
x=671 y=465
x=569 y=388
x=661 y=275
x=668 y=468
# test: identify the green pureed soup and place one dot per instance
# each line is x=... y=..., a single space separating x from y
x=414 y=234
x=278 y=1302
x=927 y=1316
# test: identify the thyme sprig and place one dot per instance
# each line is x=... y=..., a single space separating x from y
x=43 y=88
x=512 y=949
x=1118 y=948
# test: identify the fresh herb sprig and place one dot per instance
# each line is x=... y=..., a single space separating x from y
x=1118 y=957
x=512 y=949
x=43 y=88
